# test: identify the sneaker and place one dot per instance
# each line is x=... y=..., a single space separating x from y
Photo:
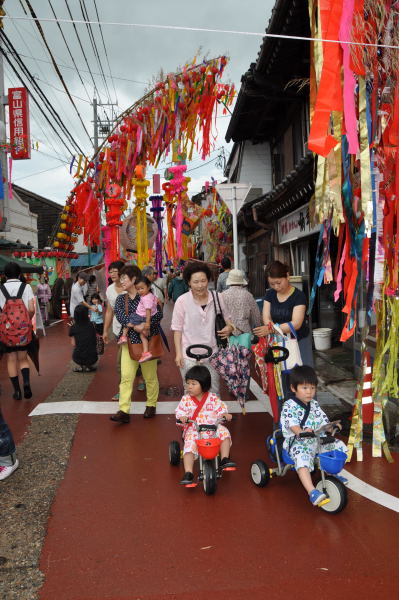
x=120 y=417
x=227 y=463
x=145 y=356
x=316 y=497
x=7 y=471
x=187 y=478
x=149 y=412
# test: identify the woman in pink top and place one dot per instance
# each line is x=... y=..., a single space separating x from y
x=146 y=308
x=193 y=320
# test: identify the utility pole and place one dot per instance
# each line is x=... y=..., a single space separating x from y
x=5 y=200
x=102 y=127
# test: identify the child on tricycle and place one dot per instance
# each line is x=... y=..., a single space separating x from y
x=203 y=408
x=301 y=416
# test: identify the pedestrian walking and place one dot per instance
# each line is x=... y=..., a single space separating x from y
x=8 y=458
x=92 y=288
x=43 y=292
x=194 y=317
x=242 y=308
x=17 y=304
x=83 y=336
x=221 y=285
x=124 y=310
x=158 y=284
x=177 y=286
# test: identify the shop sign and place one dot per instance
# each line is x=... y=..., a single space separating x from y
x=18 y=103
x=296 y=225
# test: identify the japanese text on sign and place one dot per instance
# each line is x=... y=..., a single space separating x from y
x=18 y=103
x=296 y=225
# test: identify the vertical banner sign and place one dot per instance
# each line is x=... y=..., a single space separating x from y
x=18 y=104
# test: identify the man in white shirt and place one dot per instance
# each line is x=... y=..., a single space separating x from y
x=158 y=284
x=78 y=293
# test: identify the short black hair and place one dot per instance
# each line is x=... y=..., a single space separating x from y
x=12 y=270
x=117 y=264
x=301 y=375
x=192 y=268
x=226 y=262
x=143 y=279
x=97 y=297
x=132 y=271
x=81 y=314
x=202 y=375
x=92 y=278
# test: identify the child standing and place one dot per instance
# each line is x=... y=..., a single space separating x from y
x=84 y=341
x=96 y=313
x=141 y=319
x=204 y=408
x=302 y=413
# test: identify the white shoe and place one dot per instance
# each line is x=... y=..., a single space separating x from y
x=7 y=471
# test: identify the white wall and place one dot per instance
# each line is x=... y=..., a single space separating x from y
x=22 y=222
x=256 y=166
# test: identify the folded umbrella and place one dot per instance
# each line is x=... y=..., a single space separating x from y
x=232 y=363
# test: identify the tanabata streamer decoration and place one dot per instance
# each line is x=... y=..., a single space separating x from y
x=177 y=113
x=157 y=210
x=140 y=191
x=355 y=134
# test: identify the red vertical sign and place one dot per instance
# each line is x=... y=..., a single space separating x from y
x=18 y=104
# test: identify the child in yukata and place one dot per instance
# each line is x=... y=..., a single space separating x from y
x=303 y=382
x=146 y=308
x=204 y=408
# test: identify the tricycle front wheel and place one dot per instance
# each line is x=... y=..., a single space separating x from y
x=209 y=481
x=174 y=453
x=336 y=492
x=260 y=473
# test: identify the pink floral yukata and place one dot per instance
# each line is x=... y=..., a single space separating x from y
x=212 y=410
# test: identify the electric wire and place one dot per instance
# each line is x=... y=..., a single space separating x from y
x=39 y=172
x=39 y=90
x=71 y=152
x=39 y=27
x=69 y=51
x=81 y=47
x=105 y=51
x=94 y=47
x=46 y=82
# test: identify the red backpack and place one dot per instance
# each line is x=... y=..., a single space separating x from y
x=15 y=324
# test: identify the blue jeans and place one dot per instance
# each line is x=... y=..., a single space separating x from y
x=7 y=446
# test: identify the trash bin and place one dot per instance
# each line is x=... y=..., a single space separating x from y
x=322 y=338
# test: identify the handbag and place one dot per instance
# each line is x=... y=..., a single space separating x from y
x=220 y=323
x=294 y=358
x=244 y=339
x=154 y=343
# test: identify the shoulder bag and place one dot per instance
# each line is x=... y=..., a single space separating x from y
x=220 y=323
x=291 y=343
x=154 y=343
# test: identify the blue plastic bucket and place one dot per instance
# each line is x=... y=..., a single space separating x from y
x=332 y=462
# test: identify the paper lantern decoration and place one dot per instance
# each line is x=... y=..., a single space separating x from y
x=128 y=233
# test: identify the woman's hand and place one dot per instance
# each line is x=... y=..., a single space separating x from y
x=263 y=329
x=227 y=416
x=183 y=419
x=226 y=331
x=179 y=360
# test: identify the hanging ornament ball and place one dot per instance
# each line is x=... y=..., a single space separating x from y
x=113 y=190
x=128 y=233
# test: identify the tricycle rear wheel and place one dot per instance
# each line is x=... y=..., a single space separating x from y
x=336 y=492
x=260 y=473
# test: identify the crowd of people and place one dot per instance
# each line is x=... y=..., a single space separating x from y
x=131 y=314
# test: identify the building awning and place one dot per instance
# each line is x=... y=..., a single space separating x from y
x=87 y=260
x=25 y=267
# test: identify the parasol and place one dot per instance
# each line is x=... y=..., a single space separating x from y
x=33 y=351
x=232 y=363
x=267 y=357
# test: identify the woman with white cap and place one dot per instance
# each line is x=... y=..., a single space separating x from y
x=242 y=308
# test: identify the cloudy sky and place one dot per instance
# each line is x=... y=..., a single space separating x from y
x=135 y=56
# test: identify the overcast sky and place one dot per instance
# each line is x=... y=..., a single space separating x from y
x=135 y=56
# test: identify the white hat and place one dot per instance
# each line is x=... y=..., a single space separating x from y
x=236 y=277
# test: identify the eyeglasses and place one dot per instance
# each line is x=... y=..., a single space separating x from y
x=114 y=271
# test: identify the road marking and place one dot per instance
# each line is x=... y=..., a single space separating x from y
x=370 y=492
x=86 y=407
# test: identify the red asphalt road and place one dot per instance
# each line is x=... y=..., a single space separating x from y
x=122 y=528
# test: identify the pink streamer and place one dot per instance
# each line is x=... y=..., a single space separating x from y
x=349 y=79
x=339 y=278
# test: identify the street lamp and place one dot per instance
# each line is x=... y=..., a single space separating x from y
x=233 y=195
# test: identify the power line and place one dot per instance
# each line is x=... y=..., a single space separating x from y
x=39 y=27
x=42 y=95
x=206 y=30
x=69 y=51
x=39 y=173
x=105 y=50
